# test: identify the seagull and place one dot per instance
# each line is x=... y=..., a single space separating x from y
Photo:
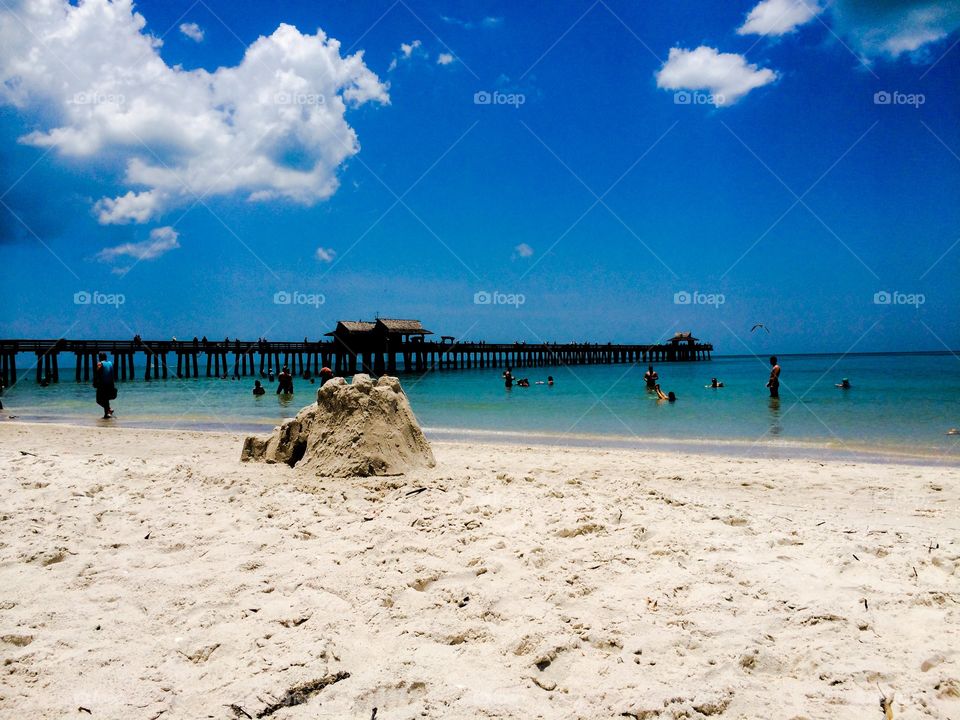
x=760 y=325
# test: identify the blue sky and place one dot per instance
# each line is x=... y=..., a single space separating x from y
x=788 y=159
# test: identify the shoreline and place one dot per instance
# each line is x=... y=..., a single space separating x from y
x=718 y=447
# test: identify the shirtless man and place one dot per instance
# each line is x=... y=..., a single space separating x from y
x=650 y=377
x=285 y=382
x=774 y=382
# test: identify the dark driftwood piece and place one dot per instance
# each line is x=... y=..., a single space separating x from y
x=299 y=694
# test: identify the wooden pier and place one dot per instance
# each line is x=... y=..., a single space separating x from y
x=383 y=346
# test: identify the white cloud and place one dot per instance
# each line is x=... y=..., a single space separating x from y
x=487 y=22
x=890 y=28
x=727 y=76
x=778 y=17
x=524 y=250
x=444 y=59
x=162 y=240
x=192 y=31
x=326 y=254
x=406 y=52
x=406 y=49
x=895 y=27
x=271 y=127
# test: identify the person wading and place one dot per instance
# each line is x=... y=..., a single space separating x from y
x=104 y=382
x=774 y=382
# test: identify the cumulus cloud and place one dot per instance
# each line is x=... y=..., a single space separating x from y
x=727 y=76
x=895 y=27
x=444 y=59
x=778 y=17
x=524 y=250
x=162 y=240
x=326 y=254
x=271 y=127
x=890 y=28
x=192 y=31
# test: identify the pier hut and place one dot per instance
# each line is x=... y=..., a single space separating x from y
x=684 y=346
x=353 y=339
x=373 y=346
x=405 y=336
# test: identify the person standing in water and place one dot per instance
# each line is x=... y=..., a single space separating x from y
x=285 y=382
x=103 y=381
x=651 y=378
x=774 y=382
x=508 y=378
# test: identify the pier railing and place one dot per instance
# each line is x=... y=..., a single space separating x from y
x=242 y=358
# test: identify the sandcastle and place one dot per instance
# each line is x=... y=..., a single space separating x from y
x=357 y=429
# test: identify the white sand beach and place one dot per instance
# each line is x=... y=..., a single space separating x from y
x=151 y=574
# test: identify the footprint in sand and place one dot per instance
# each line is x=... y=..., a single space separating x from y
x=422 y=583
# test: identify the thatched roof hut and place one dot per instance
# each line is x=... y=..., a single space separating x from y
x=351 y=327
x=683 y=337
x=392 y=326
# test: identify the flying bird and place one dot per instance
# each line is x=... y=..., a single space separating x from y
x=760 y=325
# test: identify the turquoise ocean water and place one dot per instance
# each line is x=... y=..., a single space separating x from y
x=900 y=404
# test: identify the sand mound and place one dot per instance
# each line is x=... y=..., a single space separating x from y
x=357 y=429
